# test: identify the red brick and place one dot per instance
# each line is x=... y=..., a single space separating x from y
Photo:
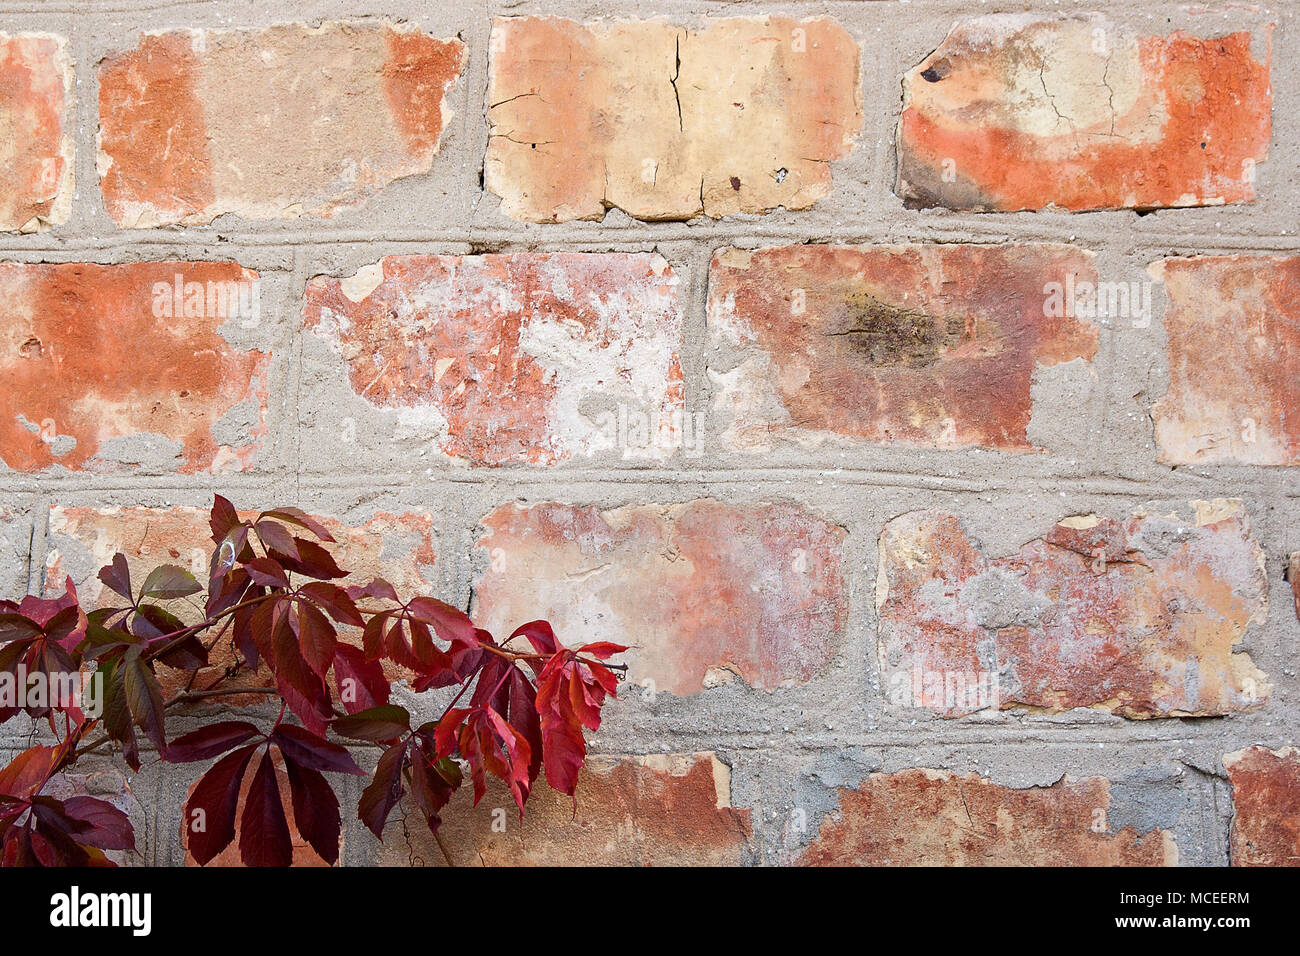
x=938 y=818
x=1266 y=806
x=397 y=547
x=1149 y=633
x=35 y=103
x=1233 y=328
x=268 y=124
x=666 y=122
x=931 y=345
x=509 y=355
x=71 y=340
x=1025 y=112
x=659 y=810
x=708 y=592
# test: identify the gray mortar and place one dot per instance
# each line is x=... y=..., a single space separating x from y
x=789 y=749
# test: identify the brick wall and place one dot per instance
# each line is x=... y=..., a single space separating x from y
x=916 y=385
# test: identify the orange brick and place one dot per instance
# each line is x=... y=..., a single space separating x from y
x=708 y=592
x=938 y=818
x=930 y=345
x=666 y=122
x=1233 y=327
x=660 y=810
x=512 y=358
x=35 y=103
x=1266 y=806
x=268 y=124
x=71 y=341
x=1139 y=617
x=1018 y=111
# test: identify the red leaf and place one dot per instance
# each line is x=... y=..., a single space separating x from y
x=117 y=577
x=316 y=753
x=312 y=560
x=601 y=650
x=276 y=538
x=540 y=635
x=448 y=730
x=267 y=572
x=388 y=722
x=335 y=601
x=452 y=624
x=217 y=796
x=144 y=698
x=570 y=694
x=361 y=684
x=224 y=518
x=302 y=519
x=378 y=588
x=105 y=826
x=315 y=811
x=25 y=774
x=518 y=757
x=211 y=741
x=316 y=637
x=433 y=781
x=263 y=828
x=384 y=791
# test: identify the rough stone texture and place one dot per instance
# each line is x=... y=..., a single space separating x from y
x=1139 y=617
x=1266 y=806
x=1293 y=575
x=1017 y=111
x=939 y=818
x=659 y=810
x=934 y=345
x=708 y=592
x=86 y=359
x=511 y=358
x=35 y=143
x=268 y=124
x=1233 y=324
x=397 y=547
x=664 y=121
x=15 y=552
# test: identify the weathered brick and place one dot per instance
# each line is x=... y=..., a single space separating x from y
x=932 y=345
x=512 y=358
x=397 y=547
x=1233 y=328
x=1266 y=806
x=666 y=122
x=36 y=160
x=303 y=854
x=1018 y=111
x=658 y=810
x=938 y=818
x=1138 y=617
x=708 y=592
x=276 y=123
x=75 y=392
